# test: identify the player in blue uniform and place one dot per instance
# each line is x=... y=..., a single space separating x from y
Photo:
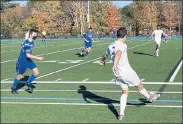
x=24 y=62
x=88 y=38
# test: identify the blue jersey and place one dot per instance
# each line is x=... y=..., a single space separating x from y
x=26 y=47
x=23 y=63
x=88 y=36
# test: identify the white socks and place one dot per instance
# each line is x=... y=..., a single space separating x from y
x=123 y=101
x=144 y=93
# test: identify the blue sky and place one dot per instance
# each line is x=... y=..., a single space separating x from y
x=117 y=3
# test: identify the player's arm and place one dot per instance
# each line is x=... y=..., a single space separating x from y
x=85 y=38
x=34 y=57
x=105 y=55
x=29 y=55
x=102 y=61
x=116 y=61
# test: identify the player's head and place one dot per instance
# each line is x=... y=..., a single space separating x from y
x=121 y=32
x=33 y=34
x=158 y=27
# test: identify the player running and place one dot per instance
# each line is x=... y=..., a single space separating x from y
x=156 y=36
x=88 y=39
x=125 y=76
x=24 y=62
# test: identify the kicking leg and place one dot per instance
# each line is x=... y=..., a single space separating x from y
x=149 y=96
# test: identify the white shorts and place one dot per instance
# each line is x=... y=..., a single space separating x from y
x=127 y=81
x=158 y=42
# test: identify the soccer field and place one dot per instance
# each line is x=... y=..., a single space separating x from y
x=72 y=89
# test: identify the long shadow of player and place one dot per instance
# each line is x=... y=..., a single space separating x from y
x=89 y=95
x=140 y=53
x=79 y=55
x=22 y=83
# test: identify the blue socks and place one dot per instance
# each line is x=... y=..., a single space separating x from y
x=31 y=78
x=15 y=83
x=86 y=54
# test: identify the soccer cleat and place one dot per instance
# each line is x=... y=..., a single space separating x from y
x=14 y=91
x=102 y=63
x=120 y=117
x=30 y=89
x=153 y=97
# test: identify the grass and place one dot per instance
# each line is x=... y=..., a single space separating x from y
x=152 y=69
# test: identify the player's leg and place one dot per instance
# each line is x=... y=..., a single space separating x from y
x=20 y=70
x=88 y=49
x=123 y=98
x=157 y=49
x=150 y=96
x=35 y=73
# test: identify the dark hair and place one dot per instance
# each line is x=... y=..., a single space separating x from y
x=89 y=28
x=121 y=32
x=158 y=25
x=31 y=31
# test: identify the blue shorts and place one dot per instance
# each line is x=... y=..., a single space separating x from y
x=88 y=44
x=22 y=66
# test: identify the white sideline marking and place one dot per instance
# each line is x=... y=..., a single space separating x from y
x=85 y=80
x=112 y=80
x=99 y=91
x=55 y=52
x=175 y=72
x=59 y=79
x=88 y=82
x=87 y=104
x=67 y=68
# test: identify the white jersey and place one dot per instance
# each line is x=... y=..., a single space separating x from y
x=127 y=76
x=157 y=35
x=123 y=64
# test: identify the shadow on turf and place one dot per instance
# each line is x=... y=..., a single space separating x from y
x=23 y=83
x=89 y=95
x=140 y=53
x=79 y=55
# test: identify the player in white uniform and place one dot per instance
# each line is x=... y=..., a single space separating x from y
x=124 y=74
x=157 y=38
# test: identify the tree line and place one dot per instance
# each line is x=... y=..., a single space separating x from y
x=65 y=18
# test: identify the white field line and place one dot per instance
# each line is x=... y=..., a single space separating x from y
x=6 y=79
x=59 y=79
x=87 y=82
x=98 y=91
x=44 y=46
x=35 y=48
x=86 y=104
x=175 y=72
x=67 y=68
x=54 y=52
x=76 y=64
x=82 y=63
x=112 y=80
x=10 y=46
